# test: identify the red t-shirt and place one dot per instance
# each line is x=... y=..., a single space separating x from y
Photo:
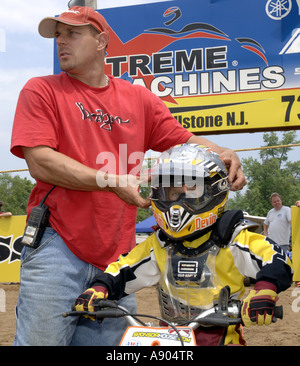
x=82 y=122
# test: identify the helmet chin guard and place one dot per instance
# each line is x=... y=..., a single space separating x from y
x=175 y=218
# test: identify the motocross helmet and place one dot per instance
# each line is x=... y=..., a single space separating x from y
x=189 y=190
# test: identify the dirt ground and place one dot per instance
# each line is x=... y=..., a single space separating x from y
x=284 y=332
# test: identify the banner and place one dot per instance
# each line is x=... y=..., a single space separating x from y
x=221 y=66
x=11 y=232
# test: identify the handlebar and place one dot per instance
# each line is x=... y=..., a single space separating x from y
x=216 y=316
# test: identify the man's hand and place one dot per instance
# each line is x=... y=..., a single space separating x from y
x=236 y=176
x=84 y=302
x=258 y=306
x=125 y=187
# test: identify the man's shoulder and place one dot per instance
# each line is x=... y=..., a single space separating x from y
x=286 y=209
x=43 y=81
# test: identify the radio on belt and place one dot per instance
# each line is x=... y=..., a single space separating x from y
x=36 y=224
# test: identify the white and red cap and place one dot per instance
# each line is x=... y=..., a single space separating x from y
x=75 y=16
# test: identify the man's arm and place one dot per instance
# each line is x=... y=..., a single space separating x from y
x=54 y=168
x=236 y=176
x=5 y=214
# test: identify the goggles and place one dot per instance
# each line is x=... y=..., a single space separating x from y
x=194 y=198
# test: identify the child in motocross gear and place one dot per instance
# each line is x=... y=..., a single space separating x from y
x=197 y=249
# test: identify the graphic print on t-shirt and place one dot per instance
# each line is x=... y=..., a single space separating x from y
x=106 y=121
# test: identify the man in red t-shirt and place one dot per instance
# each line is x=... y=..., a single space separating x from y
x=85 y=133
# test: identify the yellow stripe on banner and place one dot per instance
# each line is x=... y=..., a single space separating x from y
x=239 y=112
x=11 y=232
x=296 y=242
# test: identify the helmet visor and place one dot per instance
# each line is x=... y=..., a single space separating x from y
x=194 y=198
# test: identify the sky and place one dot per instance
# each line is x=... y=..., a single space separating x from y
x=25 y=54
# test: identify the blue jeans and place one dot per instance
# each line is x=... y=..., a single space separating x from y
x=52 y=277
x=285 y=248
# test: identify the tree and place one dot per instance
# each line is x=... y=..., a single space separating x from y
x=145 y=189
x=274 y=173
x=14 y=193
x=144 y=213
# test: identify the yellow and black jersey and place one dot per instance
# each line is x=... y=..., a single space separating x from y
x=194 y=281
x=248 y=255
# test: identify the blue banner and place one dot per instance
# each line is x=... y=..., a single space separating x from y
x=221 y=66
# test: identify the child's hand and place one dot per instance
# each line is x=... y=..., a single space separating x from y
x=258 y=306
x=84 y=302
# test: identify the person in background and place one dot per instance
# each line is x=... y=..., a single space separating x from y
x=85 y=132
x=277 y=225
x=4 y=214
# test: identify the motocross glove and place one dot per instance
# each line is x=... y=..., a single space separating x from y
x=84 y=302
x=258 y=306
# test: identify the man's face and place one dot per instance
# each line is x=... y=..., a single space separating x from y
x=276 y=202
x=76 y=48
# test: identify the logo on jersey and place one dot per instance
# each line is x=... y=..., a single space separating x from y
x=104 y=119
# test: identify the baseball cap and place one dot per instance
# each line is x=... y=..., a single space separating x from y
x=75 y=16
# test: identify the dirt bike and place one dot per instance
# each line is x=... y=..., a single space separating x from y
x=226 y=312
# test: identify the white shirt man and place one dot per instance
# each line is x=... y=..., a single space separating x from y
x=277 y=225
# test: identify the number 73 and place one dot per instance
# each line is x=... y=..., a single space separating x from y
x=290 y=99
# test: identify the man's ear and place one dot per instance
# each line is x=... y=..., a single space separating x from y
x=102 y=40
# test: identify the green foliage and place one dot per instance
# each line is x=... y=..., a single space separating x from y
x=14 y=193
x=274 y=173
x=144 y=213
